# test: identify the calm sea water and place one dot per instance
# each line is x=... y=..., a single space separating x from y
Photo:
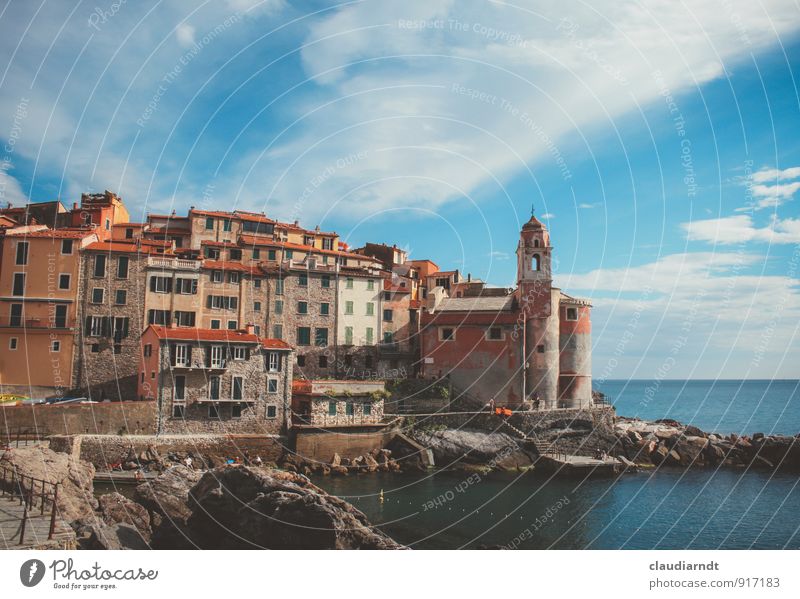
x=665 y=509
x=725 y=406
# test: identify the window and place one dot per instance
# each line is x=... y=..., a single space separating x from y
x=272 y=411
x=99 y=266
x=128 y=233
x=325 y=281
x=213 y=387
x=289 y=254
x=494 y=333
x=148 y=350
x=447 y=334
x=22 y=253
x=66 y=246
x=122 y=267
x=272 y=386
x=348 y=335
x=278 y=306
x=348 y=307
x=387 y=296
x=186 y=286
x=159 y=317
x=233 y=277
x=19 y=284
x=257 y=283
x=331 y=408
x=239 y=353
x=209 y=223
x=236 y=410
x=215 y=323
x=370 y=335
x=237 y=388
x=96 y=350
x=161 y=284
x=349 y=283
x=226 y=224
x=217 y=359
x=301 y=361
x=535 y=263
x=108 y=224
x=324 y=308
x=348 y=408
x=216 y=276
x=370 y=285
x=302 y=280
x=181 y=353
x=222 y=302
x=256 y=306
x=274 y=361
x=277 y=331
x=302 y=307
x=308 y=240
x=323 y=361
x=279 y=287
x=388 y=315
x=321 y=337
x=60 y=317
x=97 y=295
x=257 y=330
x=211 y=253
x=271 y=255
x=63 y=281
x=388 y=337
x=232 y=325
x=540 y=349
x=370 y=309
x=180 y=388
x=367 y=409
x=327 y=243
x=15 y=315
x=303 y=336
x=95 y=326
x=178 y=410
x=236 y=254
x=572 y=314
x=13 y=343
x=213 y=410
x=184 y=319
x=256 y=254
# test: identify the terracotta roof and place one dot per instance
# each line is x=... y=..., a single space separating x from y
x=121 y=246
x=250 y=240
x=5 y=221
x=55 y=233
x=224 y=265
x=415 y=304
x=167 y=216
x=388 y=286
x=183 y=334
x=476 y=304
x=275 y=344
x=253 y=217
x=130 y=225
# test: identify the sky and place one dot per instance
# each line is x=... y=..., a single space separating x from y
x=657 y=140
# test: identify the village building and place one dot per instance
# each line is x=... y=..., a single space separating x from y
x=337 y=403
x=216 y=380
x=528 y=348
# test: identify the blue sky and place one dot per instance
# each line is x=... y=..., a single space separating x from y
x=659 y=141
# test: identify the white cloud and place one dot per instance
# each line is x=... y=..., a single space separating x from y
x=771 y=175
x=767 y=191
x=497 y=255
x=185 y=34
x=10 y=190
x=740 y=229
x=548 y=215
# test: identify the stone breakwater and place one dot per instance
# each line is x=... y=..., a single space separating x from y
x=670 y=443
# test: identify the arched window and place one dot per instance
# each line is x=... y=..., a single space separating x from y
x=536 y=243
x=535 y=263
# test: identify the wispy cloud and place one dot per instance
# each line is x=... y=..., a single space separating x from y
x=740 y=229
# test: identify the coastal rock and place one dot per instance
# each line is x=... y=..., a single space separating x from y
x=167 y=496
x=336 y=460
x=452 y=447
x=118 y=509
x=99 y=535
x=782 y=451
x=76 y=499
x=242 y=508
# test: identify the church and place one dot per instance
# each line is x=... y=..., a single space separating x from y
x=527 y=348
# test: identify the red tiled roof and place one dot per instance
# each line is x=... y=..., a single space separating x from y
x=182 y=334
x=167 y=216
x=223 y=265
x=250 y=240
x=388 y=286
x=275 y=344
x=415 y=304
x=120 y=246
x=55 y=233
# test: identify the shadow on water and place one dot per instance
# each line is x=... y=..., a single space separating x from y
x=668 y=509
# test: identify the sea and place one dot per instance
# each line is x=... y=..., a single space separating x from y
x=661 y=509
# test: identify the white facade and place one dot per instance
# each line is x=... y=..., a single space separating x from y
x=360 y=310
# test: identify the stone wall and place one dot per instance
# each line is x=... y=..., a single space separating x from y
x=109 y=418
x=318 y=445
x=104 y=450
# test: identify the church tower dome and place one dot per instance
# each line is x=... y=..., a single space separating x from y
x=534 y=253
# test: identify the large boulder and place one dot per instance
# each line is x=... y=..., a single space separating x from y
x=251 y=508
x=118 y=509
x=454 y=447
x=782 y=451
x=98 y=535
x=166 y=497
x=76 y=499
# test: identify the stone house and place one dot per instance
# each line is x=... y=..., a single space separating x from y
x=337 y=403
x=216 y=380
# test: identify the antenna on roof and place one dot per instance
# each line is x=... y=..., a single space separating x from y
x=532 y=209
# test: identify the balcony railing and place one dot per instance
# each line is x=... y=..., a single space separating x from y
x=38 y=323
x=172 y=263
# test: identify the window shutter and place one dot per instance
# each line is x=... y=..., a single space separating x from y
x=208 y=301
x=280 y=361
x=234 y=303
x=106 y=326
x=172 y=351
x=88 y=325
x=208 y=356
x=169 y=285
x=247 y=354
x=194 y=286
x=152 y=284
x=125 y=326
x=189 y=350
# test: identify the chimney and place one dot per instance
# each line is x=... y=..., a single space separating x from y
x=296 y=223
x=74 y=205
x=469 y=277
x=251 y=329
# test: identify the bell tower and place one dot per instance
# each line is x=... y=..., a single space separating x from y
x=534 y=259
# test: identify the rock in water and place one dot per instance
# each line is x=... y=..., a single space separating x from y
x=75 y=493
x=166 y=497
x=453 y=446
x=118 y=509
x=246 y=508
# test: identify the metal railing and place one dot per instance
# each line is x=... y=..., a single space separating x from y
x=15 y=485
x=7 y=438
x=173 y=263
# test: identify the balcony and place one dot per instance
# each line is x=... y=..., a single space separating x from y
x=166 y=262
x=388 y=348
x=38 y=323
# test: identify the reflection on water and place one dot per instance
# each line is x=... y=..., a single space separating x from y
x=670 y=509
